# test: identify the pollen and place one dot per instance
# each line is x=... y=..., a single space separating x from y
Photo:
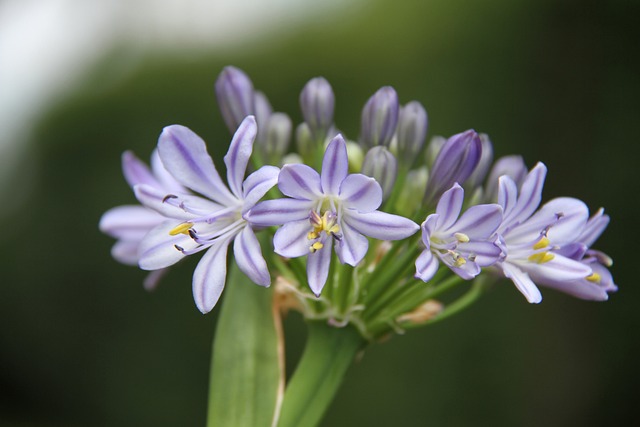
x=541 y=257
x=181 y=229
x=316 y=247
x=542 y=243
x=595 y=278
x=459 y=262
x=461 y=237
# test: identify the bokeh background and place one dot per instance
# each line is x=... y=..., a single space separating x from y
x=81 y=342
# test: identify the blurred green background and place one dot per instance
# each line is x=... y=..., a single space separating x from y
x=81 y=342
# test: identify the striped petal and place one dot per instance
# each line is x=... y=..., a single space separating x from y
x=335 y=166
x=237 y=157
x=248 y=255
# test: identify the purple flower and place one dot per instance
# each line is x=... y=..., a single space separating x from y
x=131 y=223
x=211 y=222
x=331 y=209
x=460 y=242
x=380 y=118
x=532 y=242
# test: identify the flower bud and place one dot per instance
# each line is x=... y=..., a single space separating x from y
x=278 y=137
x=513 y=167
x=304 y=141
x=379 y=118
x=356 y=156
x=234 y=91
x=317 y=103
x=479 y=174
x=263 y=111
x=381 y=165
x=456 y=161
x=433 y=149
x=422 y=314
x=412 y=131
x=291 y=158
x=415 y=183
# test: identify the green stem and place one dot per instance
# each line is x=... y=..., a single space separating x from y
x=327 y=356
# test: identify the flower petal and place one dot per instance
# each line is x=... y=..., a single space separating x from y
x=530 y=195
x=558 y=269
x=318 y=268
x=129 y=222
x=257 y=184
x=466 y=271
x=380 y=225
x=507 y=197
x=300 y=182
x=136 y=172
x=210 y=275
x=185 y=156
x=485 y=253
x=426 y=266
x=239 y=153
x=167 y=182
x=479 y=222
x=360 y=192
x=157 y=250
x=291 y=239
x=352 y=247
x=280 y=211
x=335 y=166
x=157 y=200
x=248 y=255
x=428 y=227
x=522 y=281
x=125 y=252
x=449 y=207
x=595 y=226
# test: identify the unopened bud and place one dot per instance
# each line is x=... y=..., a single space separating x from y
x=263 y=111
x=425 y=312
x=433 y=149
x=412 y=131
x=234 y=91
x=456 y=161
x=479 y=174
x=380 y=118
x=355 y=155
x=278 y=137
x=317 y=103
x=304 y=141
x=291 y=158
x=381 y=165
x=415 y=183
x=512 y=166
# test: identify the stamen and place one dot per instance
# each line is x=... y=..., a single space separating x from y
x=595 y=278
x=316 y=247
x=180 y=248
x=460 y=261
x=312 y=235
x=181 y=229
x=541 y=257
x=461 y=237
x=542 y=243
x=169 y=196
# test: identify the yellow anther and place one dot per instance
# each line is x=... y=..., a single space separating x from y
x=595 y=278
x=542 y=243
x=312 y=235
x=316 y=247
x=541 y=257
x=461 y=237
x=181 y=229
x=459 y=262
x=335 y=229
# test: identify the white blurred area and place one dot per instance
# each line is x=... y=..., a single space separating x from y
x=46 y=46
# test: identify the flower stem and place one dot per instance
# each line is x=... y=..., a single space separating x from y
x=328 y=354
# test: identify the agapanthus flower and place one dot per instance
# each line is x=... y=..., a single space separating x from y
x=331 y=209
x=210 y=222
x=532 y=241
x=129 y=224
x=460 y=242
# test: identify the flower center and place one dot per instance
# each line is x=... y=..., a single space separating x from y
x=322 y=227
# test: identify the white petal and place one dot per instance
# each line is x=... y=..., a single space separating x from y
x=248 y=256
x=258 y=184
x=352 y=247
x=426 y=266
x=210 y=276
x=291 y=239
x=239 y=153
x=335 y=166
x=318 y=268
x=522 y=281
x=361 y=192
x=449 y=207
x=156 y=199
x=129 y=222
x=125 y=252
x=380 y=225
x=300 y=182
x=479 y=222
x=157 y=250
x=280 y=211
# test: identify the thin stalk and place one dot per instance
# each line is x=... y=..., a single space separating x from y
x=328 y=354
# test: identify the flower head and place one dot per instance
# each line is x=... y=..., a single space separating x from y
x=331 y=209
x=210 y=222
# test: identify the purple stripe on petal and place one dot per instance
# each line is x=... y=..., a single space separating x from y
x=595 y=226
x=210 y=275
x=484 y=253
x=279 y=211
x=478 y=222
x=449 y=207
x=352 y=247
x=522 y=281
x=530 y=195
x=157 y=249
x=239 y=153
x=300 y=182
x=258 y=184
x=185 y=156
x=380 y=225
x=291 y=239
x=335 y=166
x=507 y=197
x=248 y=256
x=361 y=192
x=426 y=266
x=318 y=268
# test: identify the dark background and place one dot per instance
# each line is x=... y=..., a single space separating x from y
x=81 y=343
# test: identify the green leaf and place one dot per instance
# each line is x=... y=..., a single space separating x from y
x=247 y=382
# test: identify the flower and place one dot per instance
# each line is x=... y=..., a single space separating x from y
x=532 y=242
x=460 y=242
x=331 y=209
x=131 y=223
x=211 y=222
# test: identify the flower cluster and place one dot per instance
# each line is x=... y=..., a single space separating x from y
x=359 y=202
